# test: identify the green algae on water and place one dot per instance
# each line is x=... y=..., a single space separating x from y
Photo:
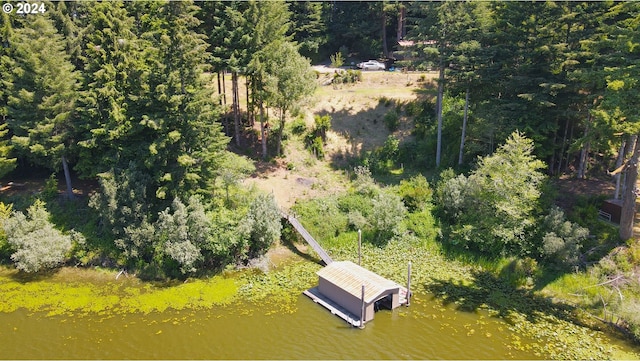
x=55 y=297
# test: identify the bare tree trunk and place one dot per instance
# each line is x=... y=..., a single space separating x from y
x=219 y=89
x=584 y=153
x=236 y=108
x=621 y=156
x=385 y=48
x=552 y=161
x=249 y=105
x=400 y=30
x=67 y=177
x=564 y=142
x=224 y=87
x=464 y=126
x=280 y=131
x=263 y=132
x=629 y=197
x=439 y=110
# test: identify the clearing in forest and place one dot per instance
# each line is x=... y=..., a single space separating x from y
x=357 y=112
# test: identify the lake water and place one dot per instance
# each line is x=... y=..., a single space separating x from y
x=426 y=330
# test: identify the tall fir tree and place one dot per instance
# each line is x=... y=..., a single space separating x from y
x=115 y=84
x=43 y=97
x=185 y=144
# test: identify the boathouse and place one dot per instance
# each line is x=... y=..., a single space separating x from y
x=340 y=290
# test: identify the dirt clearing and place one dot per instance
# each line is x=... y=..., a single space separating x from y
x=357 y=112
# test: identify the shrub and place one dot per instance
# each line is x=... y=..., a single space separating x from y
x=263 y=224
x=364 y=183
x=392 y=120
x=182 y=231
x=5 y=247
x=38 y=246
x=387 y=215
x=357 y=220
x=422 y=224
x=415 y=192
x=562 y=240
x=322 y=125
x=50 y=189
x=298 y=126
x=337 y=60
x=347 y=77
x=322 y=217
x=315 y=139
x=317 y=147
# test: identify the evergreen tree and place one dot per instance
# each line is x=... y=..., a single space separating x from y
x=43 y=96
x=494 y=209
x=446 y=35
x=115 y=84
x=270 y=24
x=6 y=164
x=620 y=44
x=229 y=38
x=308 y=27
x=185 y=143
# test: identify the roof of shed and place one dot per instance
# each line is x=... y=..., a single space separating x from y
x=350 y=277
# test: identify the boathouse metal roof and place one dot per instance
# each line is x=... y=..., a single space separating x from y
x=350 y=277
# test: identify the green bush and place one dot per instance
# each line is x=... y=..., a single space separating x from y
x=322 y=217
x=298 y=126
x=562 y=239
x=392 y=120
x=494 y=209
x=355 y=202
x=38 y=246
x=387 y=215
x=422 y=224
x=316 y=139
x=317 y=147
x=415 y=192
x=347 y=77
x=337 y=60
x=50 y=190
x=262 y=223
x=322 y=125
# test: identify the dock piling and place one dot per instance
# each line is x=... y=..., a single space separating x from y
x=409 y=284
x=362 y=309
x=359 y=248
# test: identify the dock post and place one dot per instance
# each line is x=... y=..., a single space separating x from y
x=409 y=284
x=362 y=308
x=359 y=248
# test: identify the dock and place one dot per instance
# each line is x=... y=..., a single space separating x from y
x=335 y=309
x=348 y=290
x=308 y=238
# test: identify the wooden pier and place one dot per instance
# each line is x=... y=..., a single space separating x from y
x=308 y=238
x=350 y=291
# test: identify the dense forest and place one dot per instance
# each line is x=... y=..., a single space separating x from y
x=129 y=95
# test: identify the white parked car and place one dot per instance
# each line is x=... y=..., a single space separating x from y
x=371 y=65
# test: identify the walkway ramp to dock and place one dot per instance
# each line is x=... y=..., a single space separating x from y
x=308 y=238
